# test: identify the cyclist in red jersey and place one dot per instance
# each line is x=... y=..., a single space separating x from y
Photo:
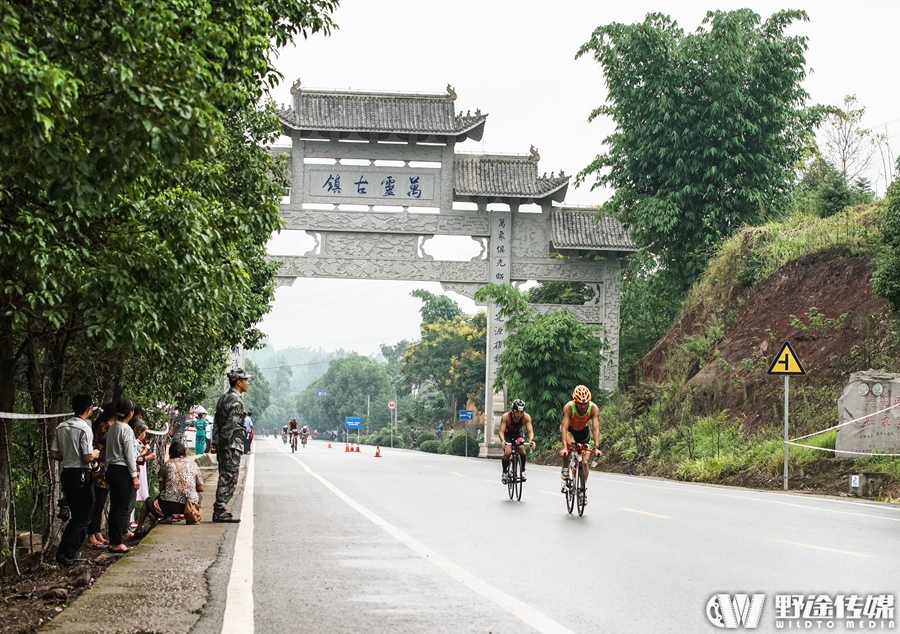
x=577 y=413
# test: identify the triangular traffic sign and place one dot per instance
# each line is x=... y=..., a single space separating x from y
x=786 y=362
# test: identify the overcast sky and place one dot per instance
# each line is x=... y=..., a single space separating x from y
x=515 y=61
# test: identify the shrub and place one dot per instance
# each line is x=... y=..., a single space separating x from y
x=458 y=446
x=431 y=446
x=444 y=446
x=426 y=436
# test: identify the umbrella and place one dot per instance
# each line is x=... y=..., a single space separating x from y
x=200 y=409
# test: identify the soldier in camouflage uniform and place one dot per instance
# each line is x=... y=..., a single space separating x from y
x=228 y=441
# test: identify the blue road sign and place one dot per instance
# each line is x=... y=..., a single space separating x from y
x=352 y=422
x=321 y=393
x=466 y=414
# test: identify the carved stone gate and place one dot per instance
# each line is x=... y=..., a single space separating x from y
x=374 y=176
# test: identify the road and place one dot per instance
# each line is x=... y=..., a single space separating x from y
x=414 y=542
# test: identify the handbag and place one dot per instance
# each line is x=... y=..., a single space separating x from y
x=192 y=511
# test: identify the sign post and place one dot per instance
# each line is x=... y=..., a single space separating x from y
x=466 y=415
x=787 y=364
x=392 y=406
x=353 y=422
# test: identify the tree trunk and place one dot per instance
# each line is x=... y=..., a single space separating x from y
x=7 y=404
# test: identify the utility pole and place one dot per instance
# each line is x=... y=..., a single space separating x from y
x=368 y=410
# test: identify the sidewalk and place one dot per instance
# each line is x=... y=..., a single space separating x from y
x=173 y=582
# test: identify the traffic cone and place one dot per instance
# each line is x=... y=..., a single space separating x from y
x=377 y=451
x=347 y=448
x=329 y=446
x=357 y=447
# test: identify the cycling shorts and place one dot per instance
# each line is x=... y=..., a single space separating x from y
x=581 y=436
x=513 y=438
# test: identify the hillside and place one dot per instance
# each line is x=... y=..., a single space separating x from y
x=700 y=406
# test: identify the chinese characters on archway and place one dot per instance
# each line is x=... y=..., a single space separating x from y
x=396 y=186
x=500 y=274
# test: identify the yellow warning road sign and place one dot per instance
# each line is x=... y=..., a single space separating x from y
x=786 y=362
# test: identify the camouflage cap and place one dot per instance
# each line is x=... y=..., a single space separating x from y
x=237 y=374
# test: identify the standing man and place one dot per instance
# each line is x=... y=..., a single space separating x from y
x=73 y=446
x=248 y=429
x=200 y=437
x=228 y=441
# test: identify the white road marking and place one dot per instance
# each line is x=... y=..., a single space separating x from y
x=830 y=550
x=665 y=517
x=539 y=621
x=238 y=617
x=458 y=474
x=554 y=493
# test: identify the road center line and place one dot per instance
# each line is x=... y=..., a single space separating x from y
x=830 y=550
x=458 y=474
x=238 y=618
x=553 y=493
x=539 y=621
x=665 y=517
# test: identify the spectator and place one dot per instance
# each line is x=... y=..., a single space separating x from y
x=121 y=473
x=200 y=438
x=248 y=431
x=73 y=446
x=101 y=489
x=451 y=433
x=144 y=455
x=170 y=500
x=441 y=430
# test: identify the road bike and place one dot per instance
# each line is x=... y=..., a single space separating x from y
x=293 y=443
x=303 y=441
x=574 y=485
x=514 y=475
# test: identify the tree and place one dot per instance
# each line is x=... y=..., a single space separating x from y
x=849 y=147
x=442 y=357
x=136 y=196
x=545 y=357
x=573 y=293
x=436 y=306
x=709 y=127
x=886 y=279
x=394 y=356
x=257 y=398
x=349 y=381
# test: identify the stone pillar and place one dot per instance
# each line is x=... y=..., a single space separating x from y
x=612 y=295
x=298 y=153
x=500 y=253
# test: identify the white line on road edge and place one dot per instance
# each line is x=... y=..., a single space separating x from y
x=532 y=617
x=830 y=550
x=238 y=617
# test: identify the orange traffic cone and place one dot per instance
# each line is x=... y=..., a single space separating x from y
x=346 y=447
x=329 y=446
x=377 y=451
x=357 y=447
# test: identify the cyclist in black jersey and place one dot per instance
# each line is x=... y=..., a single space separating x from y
x=513 y=425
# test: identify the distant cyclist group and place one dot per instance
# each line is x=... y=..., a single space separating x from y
x=292 y=432
x=580 y=423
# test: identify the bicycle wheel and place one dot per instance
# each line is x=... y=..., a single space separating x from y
x=580 y=487
x=518 y=462
x=570 y=492
x=512 y=474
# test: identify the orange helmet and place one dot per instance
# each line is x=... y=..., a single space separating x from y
x=581 y=394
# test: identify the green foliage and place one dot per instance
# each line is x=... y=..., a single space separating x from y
x=436 y=307
x=348 y=381
x=818 y=322
x=425 y=436
x=649 y=306
x=430 y=446
x=575 y=293
x=257 y=398
x=709 y=126
x=457 y=446
x=450 y=358
x=545 y=357
x=886 y=279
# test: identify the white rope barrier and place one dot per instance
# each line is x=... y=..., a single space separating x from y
x=793 y=441
x=13 y=416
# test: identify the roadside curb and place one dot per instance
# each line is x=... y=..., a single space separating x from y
x=173 y=581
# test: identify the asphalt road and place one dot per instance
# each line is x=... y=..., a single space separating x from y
x=414 y=542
